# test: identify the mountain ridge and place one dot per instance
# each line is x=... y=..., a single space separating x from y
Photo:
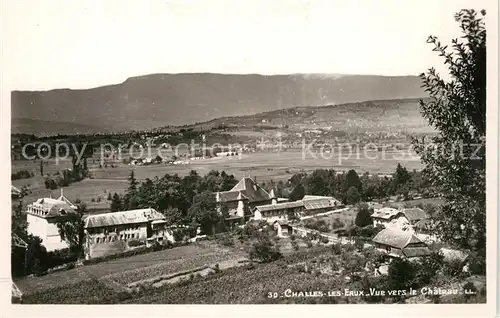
x=156 y=100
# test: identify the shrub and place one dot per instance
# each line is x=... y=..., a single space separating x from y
x=225 y=240
x=264 y=251
x=453 y=268
x=50 y=184
x=309 y=243
x=337 y=224
x=477 y=265
x=134 y=243
x=22 y=174
x=318 y=225
x=359 y=244
x=337 y=248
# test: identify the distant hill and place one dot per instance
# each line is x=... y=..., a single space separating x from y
x=158 y=100
x=398 y=115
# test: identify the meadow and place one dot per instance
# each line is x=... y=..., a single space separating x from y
x=264 y=166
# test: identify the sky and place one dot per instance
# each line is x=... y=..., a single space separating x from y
x=89 y=43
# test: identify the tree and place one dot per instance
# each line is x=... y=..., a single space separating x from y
x=36 y=256
x=400 y=178
x=352 y=180
x=264 y=251
x=116 y=203
x=71 y=229
x=204 y=212
x=297 y=193
x=173 y=215
x=352 y=196
x=455 y=158
x=130 y=200
x=401 y=273
x=19 y=223
x=363 y=217
x=132 y=188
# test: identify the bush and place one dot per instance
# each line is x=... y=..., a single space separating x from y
x=309 y=243
x=337 y=224
x=225 y=240
x=134 y=243
x=477 y=265
x=337 y=248
x=50 y=184
x=318 y=225
x=22 y=174
x=264 y=251
x=359 y=244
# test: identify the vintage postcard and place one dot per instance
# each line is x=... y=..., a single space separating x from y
x=272 y=153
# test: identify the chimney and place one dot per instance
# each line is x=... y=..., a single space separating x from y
x=240 y=210
x=274 y=200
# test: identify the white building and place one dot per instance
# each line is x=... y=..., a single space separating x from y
x=108 y=233
x=308 y=205
x=42 y=217
x=391 y=218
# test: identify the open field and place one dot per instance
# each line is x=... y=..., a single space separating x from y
x=270 y=165
x=262 y=165
x=135 y=268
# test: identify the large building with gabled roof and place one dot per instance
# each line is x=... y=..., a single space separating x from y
x=108 y=233
x=240 y=201
x=42 y=217
x=249 y=200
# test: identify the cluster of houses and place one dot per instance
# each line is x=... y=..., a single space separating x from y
x=108 y=233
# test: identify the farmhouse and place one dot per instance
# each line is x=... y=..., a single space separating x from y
x=309 y=204
x=109 y=232
x=389 y=217
x=42 y=217
x=400 y=244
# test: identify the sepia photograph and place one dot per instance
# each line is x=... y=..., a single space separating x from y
x=251 y=153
